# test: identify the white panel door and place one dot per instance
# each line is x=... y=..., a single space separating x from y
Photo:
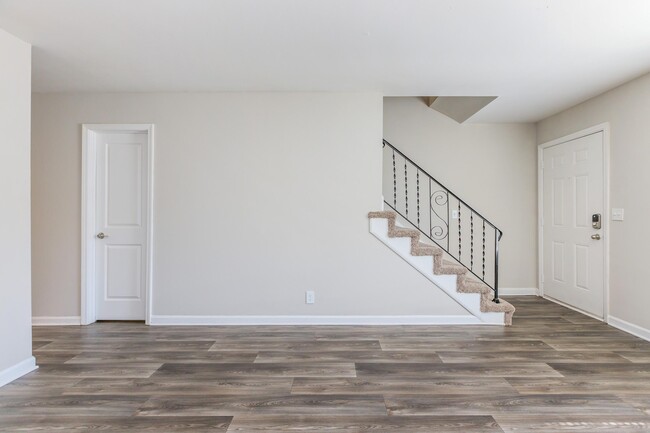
x=121 y=231
x=574 y=255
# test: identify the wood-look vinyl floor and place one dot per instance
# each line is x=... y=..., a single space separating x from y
x=554 y=370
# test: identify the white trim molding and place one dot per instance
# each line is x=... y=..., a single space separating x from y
x=88 y=200
x=314 y=320
x=518 y=291
x=571 y=307
x=628 y=327
x=15 y=371
x=56 y=320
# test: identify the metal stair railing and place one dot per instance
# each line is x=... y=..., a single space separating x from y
x=443 y=217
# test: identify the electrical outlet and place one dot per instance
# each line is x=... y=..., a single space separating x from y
x=310 y=297
x=454 y=214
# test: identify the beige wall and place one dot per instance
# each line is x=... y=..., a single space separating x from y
x=258 y=197
x=627 y=109
x=15 y=295
x=490 y=166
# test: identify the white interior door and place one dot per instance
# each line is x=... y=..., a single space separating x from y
x=121 y=225
x=574 y=253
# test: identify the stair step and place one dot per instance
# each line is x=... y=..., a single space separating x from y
x=422 y=249
x=382 y=214
x=451 y=268
x=400 y=232
x=501 y=307
x=475 y=288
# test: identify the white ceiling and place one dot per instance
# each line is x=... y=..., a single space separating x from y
x=538 y=56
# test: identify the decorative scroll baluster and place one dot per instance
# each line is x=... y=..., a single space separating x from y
x=406 y=189
x=448 y=222
x=471 y=240
x=417 y=181
x=440 y=230
x=483 y=276
x=394 y=182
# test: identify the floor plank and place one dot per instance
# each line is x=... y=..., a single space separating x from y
x=502 y=345
x=427 y=370
x=122 y=405
x=347 y=356
x=115 y=424
x=392 y=386
x=161 y=357
x=469 y=404
x=181 y=386
x=137 y=370
x=289 y=369
x=296 y=346
x=630 y=369
x=370 y=424
x=532 y=356
x=280 y=405
x=582 y=385
x=591 y=423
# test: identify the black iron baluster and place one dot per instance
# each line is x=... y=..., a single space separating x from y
x=471 y=240
x=483 y=277
x=394 y=182
x=496 y=265
x=406 y=189
x=430 y=212
x=460 y=239
x=417 y=181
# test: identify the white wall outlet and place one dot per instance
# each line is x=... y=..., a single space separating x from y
x=618 y=214
x=454 y=214
x=310 y=297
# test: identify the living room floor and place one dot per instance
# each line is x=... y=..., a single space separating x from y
x=554 y=370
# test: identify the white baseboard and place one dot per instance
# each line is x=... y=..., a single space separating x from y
x=56 y=320
x=628 y=327
x=314 y=320
x=571 y=307
x=518 y=291
x=15 y=371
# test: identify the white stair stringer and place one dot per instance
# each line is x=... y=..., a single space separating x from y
x=425 y=265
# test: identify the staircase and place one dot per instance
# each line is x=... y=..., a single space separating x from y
x=446 y=240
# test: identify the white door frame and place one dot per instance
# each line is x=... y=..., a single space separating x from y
x=604 y=128
x=88 y=203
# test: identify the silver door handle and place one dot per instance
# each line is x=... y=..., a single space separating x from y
x=595 y=237
x=101 y=235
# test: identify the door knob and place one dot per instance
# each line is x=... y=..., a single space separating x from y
x=102 y=235
x=595 y=237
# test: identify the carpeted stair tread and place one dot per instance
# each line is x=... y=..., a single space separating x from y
x=450 y=268
x=400 y=232
x=505 y=307
x=382 y=214
x=474 y=288
x=422 y=249
x=501 y=307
